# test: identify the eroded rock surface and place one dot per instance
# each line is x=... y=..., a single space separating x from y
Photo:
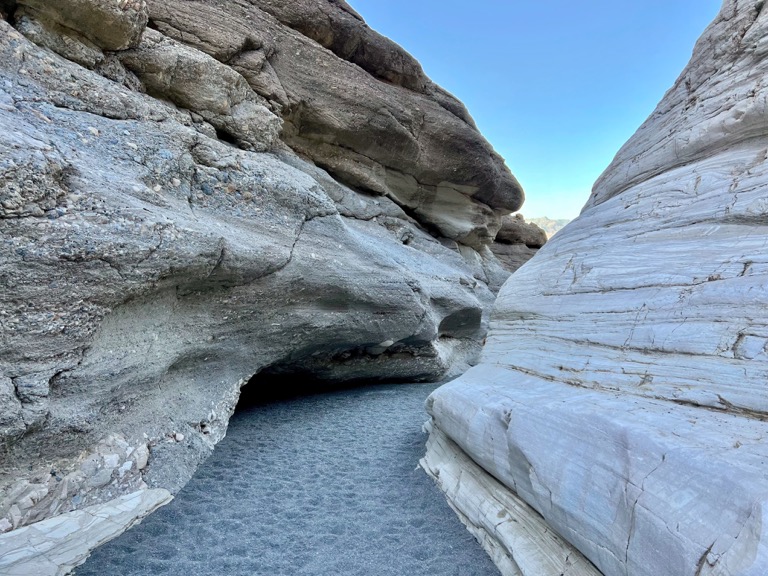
x=109 y=24
x=622 y=394
x=517 y=241
x=187 y=204
x=403 y=139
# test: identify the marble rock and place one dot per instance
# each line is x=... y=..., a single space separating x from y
x=622 y=392
x=515 y=536
x=55 y=546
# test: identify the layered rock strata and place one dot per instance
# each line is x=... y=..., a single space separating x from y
x=517 y=241
x=192 y=193
x=57 y=545
x=622 y=394
x=363 y=109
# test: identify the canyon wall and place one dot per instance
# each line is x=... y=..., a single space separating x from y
x=621 y=405
x=196 y=192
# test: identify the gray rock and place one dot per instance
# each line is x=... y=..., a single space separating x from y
x=110 y=24
x=11 y=417
x=512 y=256
x=415 y=146
x=336 y=26
x=517 y=241
x=515 y=230
x=195 y=81
x=151 y=268
x=64 y=41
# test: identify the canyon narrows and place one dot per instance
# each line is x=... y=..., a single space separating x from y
x=197 y=194
x=314 y=484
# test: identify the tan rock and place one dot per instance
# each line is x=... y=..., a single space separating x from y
x=194 y=80
x=110 y=24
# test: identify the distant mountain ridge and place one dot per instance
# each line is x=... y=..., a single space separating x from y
x=549 y=225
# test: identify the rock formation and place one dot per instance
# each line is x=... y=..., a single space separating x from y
x=195 y=192
x=621 y=401
x=517 y=241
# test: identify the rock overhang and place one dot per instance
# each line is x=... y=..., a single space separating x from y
x=156 y=267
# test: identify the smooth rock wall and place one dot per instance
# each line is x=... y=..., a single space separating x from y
x=623 y=392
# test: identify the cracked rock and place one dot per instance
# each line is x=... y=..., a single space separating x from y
x=622 y=394
x=151 y=268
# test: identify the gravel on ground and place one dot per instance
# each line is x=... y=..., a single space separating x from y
x=320 y=484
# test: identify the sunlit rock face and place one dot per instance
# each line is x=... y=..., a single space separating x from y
x=623 y=393
x=362 y=108
x=195 y=192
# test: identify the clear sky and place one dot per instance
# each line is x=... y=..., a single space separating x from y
x=556 y=86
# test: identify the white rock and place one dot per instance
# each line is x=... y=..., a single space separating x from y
x=55 y=546
x=126 y=467
x=512 y=533
x=5 y=525
x=141 y=456
x=111 y=460
x=622 y=393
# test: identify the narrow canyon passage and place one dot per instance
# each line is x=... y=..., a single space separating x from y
x=318 y=484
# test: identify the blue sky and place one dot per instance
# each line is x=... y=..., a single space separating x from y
x=557 y=87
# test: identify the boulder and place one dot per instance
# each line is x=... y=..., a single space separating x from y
x=515 y=230
x=384 y=136
x=517 y=241
x=622 y=393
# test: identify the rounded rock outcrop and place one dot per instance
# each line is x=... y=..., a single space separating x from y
x=110 y=24
x=164 y=241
